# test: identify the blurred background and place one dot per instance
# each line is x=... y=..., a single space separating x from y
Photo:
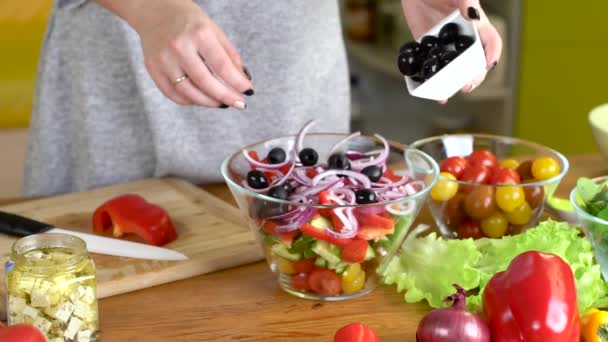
x=552 y=72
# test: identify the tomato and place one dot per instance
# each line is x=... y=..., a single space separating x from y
x=505 y=176
x=509 y=164
x=325 y=282
x=355 y=251
x=508 y=198
x=270 y=227
x=495 y=225
x=21 y=333
x=483 y=157
x=535 y=195
x=375 y=220
x=300 y=281
x=311 y=173
x=356 y=332
x=480 y=202
x=390 y=175
x=525 y=170
x=353 y=279
x=476 y=174
x=454 y=165
x=303 y=265
x=545 y=168
x=470 y=229
x=445 y=188
x=454 y=210
x=521 y=215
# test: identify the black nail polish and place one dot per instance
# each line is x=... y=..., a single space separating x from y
x=223 y=106
x=473 y=13
x=249 y=92
x=247 y=73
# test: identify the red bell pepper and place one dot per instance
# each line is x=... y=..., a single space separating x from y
x=533 y=300
x=131 y=213
x=320 y=234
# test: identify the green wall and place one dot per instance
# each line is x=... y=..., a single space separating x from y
x=563 y=71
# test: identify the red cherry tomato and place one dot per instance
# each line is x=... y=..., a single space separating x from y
x=476 y=174
x=300 y=281
x=454 y=165
x=470 y=229
x=21 y=333
x=505 y=176
x=356 y=332
x=355 y=251
x=325 y=282
x=484 y=158
x=303 y=265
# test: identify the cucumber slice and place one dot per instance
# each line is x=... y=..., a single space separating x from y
x=324 y=250
x=369 y=254
x=281 y=250
x=320 y=262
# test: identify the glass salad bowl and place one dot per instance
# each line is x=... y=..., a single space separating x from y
x=328 y=229
x=489 y=185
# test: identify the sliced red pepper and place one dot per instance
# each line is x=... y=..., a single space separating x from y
x=320 y=234
x=375 y=220
x=311 y=173
x=330 y=213
x=390 y=175
x=373 y=233
x=355 y=251
x=131 y=213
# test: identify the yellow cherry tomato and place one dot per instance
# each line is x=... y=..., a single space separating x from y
x=509 y=164
x=509 y=198
x=495 y=225
x=521 y=215
x=285 y=266
x=355 y=285
x=351 y=272
x=545 y=168
x=594 y=325
x=445 y=188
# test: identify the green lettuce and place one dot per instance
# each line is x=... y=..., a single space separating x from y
x=428 y=266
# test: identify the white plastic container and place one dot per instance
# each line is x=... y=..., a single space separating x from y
x=464 y=68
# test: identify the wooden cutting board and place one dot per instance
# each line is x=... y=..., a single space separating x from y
x=212 y=233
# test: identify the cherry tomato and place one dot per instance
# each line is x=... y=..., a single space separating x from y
x=352 y=272
x=535 y=195
x=525 y=170
x=470 y=229
x=521 y=215
x=509 y=164
x=285 y=266
x=475 y=174
x=300 y=281
x=454 y=210
x=495 y=225
x=356 y=332
x=505 y=176
x=21 y=333
x=484 y=158
x=325 y=282
x=353 y=279
x=303 y=265
x=545 y=168
x=508 y=198
x=480 y=202
x=445 y=188
x=454 y=165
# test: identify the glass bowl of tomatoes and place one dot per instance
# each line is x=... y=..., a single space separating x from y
x=489 y=185
x=329 y=210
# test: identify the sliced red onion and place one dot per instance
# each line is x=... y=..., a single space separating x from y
x=372 y=209
x=348 y=193
x=337 y=185
x=342 y=142
x=404 y=208
x=380 y=159
x=393 y=195
x=352 y=174
x=410 y=188
x=287 y=215
x=300 y=176
x=301 y=134
x=259 y=164
x=320 y=187
x=373 y=152
x=296 y=222
x=390 y=183
x=286 y=176
x=346 y=235
x=354 y=155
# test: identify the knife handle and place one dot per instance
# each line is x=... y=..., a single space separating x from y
x=20 y=226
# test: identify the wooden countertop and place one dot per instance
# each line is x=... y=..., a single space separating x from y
x=246 y=304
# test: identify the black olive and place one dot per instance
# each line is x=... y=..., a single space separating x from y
x=308 y=157
x=408 y=63
x=435 y=52
x=430 y=68
x=462 y=43
x=256 y=179
x=447 y=57
x=448 y=33
x=276 y=156
x=372 y=172
x=427 y=43
x=365 y=196
x=278 y=192
x=410 y=47
x=287 y=186
x=338 y=161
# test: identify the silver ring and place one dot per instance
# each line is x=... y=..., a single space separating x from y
x=179 y=79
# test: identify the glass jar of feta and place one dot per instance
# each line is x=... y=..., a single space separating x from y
x=51 y=283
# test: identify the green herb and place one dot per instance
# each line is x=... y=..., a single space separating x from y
x=303 y=245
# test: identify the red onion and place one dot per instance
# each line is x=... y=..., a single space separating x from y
x=300 y=136
x=454 y=323
x=342 y=142
x=402 y=209
x=296 y=221
x=356 y=175
x=354 y=155
x=380 y=159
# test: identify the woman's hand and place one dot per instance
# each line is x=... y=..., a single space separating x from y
x=188 y=55
x=421 y=15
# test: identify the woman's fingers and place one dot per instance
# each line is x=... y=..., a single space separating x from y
x=492 y=44
x=165 y=86
x=470 y=9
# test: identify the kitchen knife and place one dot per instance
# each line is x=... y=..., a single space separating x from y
x=20 y=226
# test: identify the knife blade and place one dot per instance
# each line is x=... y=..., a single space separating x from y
x=17 y=225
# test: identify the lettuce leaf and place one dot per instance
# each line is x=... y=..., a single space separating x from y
x=428 y=266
